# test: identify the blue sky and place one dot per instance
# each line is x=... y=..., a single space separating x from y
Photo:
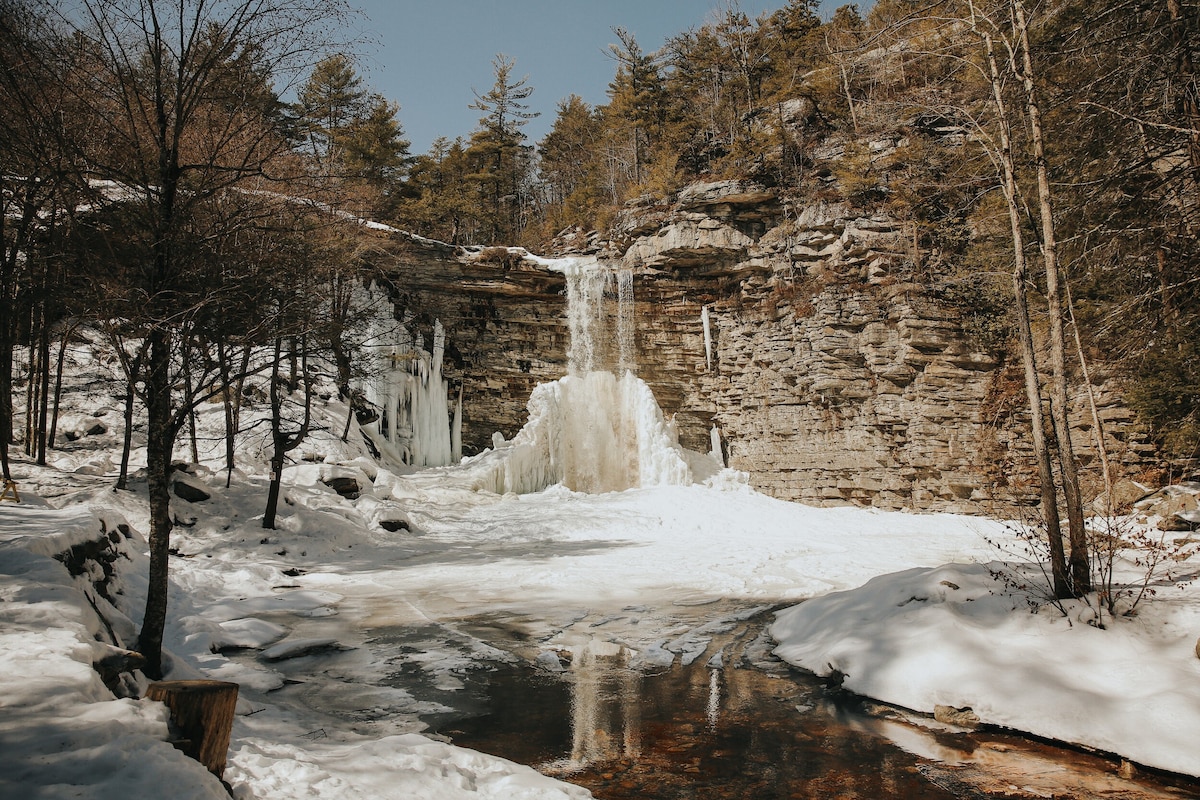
x=428 y=55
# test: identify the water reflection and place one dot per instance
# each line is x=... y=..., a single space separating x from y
x=741 y=726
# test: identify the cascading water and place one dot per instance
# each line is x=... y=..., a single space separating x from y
x=599 y=428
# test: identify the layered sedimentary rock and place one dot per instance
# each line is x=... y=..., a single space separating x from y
x=832 y=373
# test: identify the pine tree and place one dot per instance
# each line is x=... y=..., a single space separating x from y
x=568 y=166
x=500 y=158
x=636 y=111
x=330 y=102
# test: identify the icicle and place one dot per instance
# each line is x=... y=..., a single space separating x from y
x=714 y=438
x=707 y=338
x=456 y=430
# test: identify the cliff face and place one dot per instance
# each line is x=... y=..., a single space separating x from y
x=832 y=374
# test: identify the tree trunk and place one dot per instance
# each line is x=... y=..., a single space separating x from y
x=43 y=415
x=1033 y=392
x=227 y=404
x=1059 y=408
x=273 y=492
x=127 y=444
x=58 y=381
x=6 y=389
x=159 y=444
x=202 y=713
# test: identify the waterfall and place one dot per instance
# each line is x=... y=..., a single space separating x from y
x=599 y=428
x=600 y=338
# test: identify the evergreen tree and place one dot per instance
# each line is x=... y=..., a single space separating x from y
x=375 y=150
x=354 y=138
x=331 y=100
x=635 y=114
x=441 y=204
x=500 y=158
x=568 y=166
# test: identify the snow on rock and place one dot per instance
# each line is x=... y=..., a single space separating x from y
x=248 y=632
x=62 y=732
x=957 y=636
x=294 y=648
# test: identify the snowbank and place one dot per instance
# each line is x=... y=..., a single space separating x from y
x=958 y=636
x=62 y=732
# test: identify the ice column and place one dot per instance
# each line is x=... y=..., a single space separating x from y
x=714 y=442
x=708 y=342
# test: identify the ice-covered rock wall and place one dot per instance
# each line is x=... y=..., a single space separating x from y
x=405 y=383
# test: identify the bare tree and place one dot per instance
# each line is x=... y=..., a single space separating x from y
x=185 y=104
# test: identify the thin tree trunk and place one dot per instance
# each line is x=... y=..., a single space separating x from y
x=31 y=403
x=227 y=403
x=6 y=390
x=127 y=444
x=43 y=416
x=1033 y=393
x=1059 y=406
x=58 y=382
x=1097 y=426
x=191 y=414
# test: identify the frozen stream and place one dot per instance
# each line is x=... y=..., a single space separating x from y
x=616 y=641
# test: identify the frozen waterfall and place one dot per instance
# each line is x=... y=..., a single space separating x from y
x=599 y=428
x=406 y=385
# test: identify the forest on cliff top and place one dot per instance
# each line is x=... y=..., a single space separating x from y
x=903 y=112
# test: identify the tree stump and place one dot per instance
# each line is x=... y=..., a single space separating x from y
x=202 y=712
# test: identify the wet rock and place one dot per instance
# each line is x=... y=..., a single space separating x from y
x=189 y=491
x=960 y=717
x=344 y=485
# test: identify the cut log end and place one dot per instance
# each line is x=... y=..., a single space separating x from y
x=202 y=714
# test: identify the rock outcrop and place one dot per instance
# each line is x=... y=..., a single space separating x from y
x=833 y=373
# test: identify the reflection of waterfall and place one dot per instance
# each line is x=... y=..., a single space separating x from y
x=605 y=719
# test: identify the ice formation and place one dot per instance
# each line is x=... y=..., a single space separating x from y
x=599 y=428
x=406 y=384
x=591 y=433
x=708 y=342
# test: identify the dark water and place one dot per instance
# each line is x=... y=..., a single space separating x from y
x=749 y=727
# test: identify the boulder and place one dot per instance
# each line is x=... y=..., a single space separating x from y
x=189 y=491
x=960 y=717
x=344 y=485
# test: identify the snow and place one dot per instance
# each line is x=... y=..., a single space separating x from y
x=591 y=533
x=955 y=636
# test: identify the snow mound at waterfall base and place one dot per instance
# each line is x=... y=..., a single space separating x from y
x=591 y=433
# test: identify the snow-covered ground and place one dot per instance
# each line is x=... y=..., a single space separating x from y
x=906 y=610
